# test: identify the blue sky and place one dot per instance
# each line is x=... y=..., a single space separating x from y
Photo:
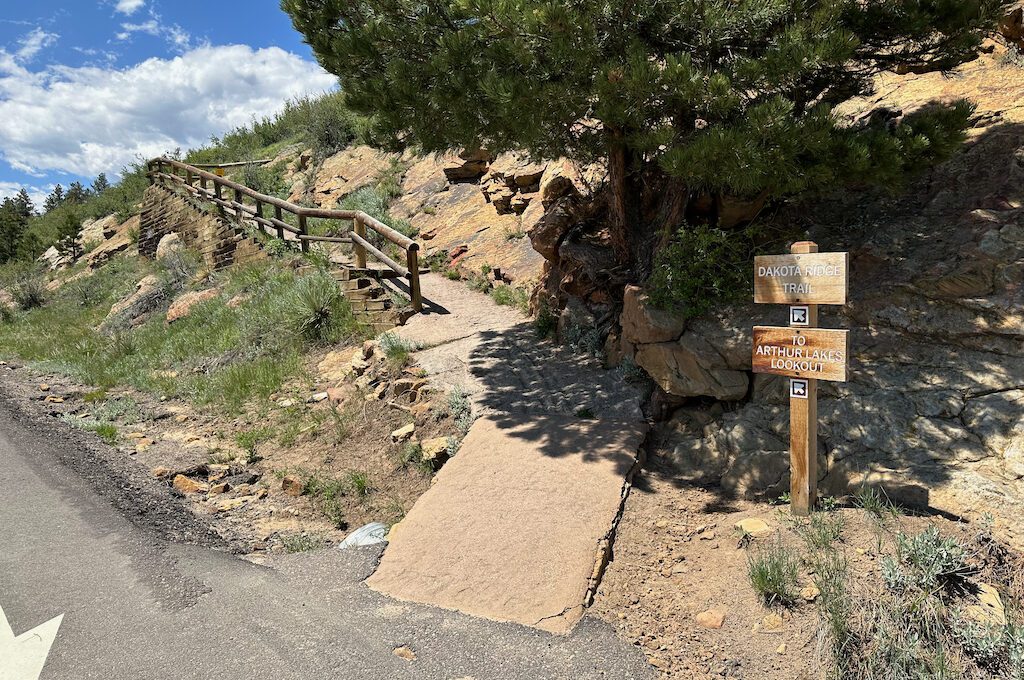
x=89 y=86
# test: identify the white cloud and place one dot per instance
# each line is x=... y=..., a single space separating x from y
x=34 y=42
x=129 y=6
x=93 y=119
x=175 y=36
x=38 y=194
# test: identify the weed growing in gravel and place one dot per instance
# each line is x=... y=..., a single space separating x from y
x=105 y=431
x=396 y=349
x=460 y=409
x=875 y=502
x=249 y=441
x=546 y=322
x=823 y=529
x=773 y=574
x=511 y=296
x=301 y=542
x=124 y=410
x=326 y=493
x=359 y=483
x=452 y=274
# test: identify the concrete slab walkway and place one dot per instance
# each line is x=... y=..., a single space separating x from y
x=515 y=526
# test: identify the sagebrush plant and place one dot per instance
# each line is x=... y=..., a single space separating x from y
x=29 y=291
x=773 y=571
x=460 y=409
x=396 y=349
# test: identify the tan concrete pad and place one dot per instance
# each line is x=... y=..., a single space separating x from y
x=510 y=529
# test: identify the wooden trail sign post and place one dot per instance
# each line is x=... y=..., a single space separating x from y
x=802 y=351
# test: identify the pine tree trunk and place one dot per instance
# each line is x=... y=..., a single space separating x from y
x=623 y=198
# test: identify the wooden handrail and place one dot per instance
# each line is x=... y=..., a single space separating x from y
x=361 y=221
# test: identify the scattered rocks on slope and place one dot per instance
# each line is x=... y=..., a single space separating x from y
x=186 y=302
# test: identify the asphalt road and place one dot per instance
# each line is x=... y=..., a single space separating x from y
x=75 y=539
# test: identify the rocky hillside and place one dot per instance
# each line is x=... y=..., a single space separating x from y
x=934 y=410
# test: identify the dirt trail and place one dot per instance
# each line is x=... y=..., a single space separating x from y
x=516 y=525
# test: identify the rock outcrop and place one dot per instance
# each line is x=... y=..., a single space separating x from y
x=934 y=408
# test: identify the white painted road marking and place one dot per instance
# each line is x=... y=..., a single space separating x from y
x=23 y=657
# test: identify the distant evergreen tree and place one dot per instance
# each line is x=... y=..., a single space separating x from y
x=54 y=200
x=100 y=184
x=24 y=204
x=12 y=225
x=68 y=227
x=693 y=104
x=77 y=194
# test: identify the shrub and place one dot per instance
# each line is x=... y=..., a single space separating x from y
x=319 y=312
x=773 y=574
x=29 y=291
x=926 y=562
x=328 y=124
x=266 y=179
x=359 y=483
x=701 y=268
x=512 y=297
x=460 y=409
x=396 y=349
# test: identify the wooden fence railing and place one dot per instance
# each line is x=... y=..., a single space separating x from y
x=232 y=197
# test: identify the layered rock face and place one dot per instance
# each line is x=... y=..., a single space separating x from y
x=934 y=409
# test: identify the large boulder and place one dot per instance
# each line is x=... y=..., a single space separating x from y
x=344 y=172
x=186 y=302
x=643 y=324
x=133 y=309
x=168 y=245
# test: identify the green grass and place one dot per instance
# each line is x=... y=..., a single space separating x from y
x=823 y=530
x=249 y=441
x=512 y=297
x=326 y=494
x=359 y=483
x=772 y=571
x=396 y=349
x=217 y=356
x=105 y=431
x=301 y=542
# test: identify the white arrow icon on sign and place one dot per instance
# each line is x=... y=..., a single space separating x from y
x=22 y=657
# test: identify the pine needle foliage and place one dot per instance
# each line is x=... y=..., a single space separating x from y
x=732 y=98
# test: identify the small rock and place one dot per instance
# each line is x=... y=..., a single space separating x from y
x=755 y=526
x=781 y=649
x=143 y=444
x=54 y=400
x=771 y=624
x=292 y=485
x=317 y=398
x=810 y=593
x=989 y=609
x=286 y=403
x=404 y=385
x=43 y=387
x=223 y=487
x=337 y=395
x=232 y=503
x=135 y=435
x=186 y=485
x=712 y=618
x=403 y=433
x=661 y=523
x=419 y=411
x=161 y=472
x=181 y=418
x=707 y=535
x=261 y=493
x=359 y=364
x=404 y=652
x=435 y=450
x=368 y=347
x=380 y=392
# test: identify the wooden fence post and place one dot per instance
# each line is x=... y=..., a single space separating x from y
x=803 y=424
x=360 y=252
x=413 y=264
x=279 y=216
x=303 y=243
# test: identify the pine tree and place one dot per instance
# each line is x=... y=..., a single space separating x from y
x=24 y=204
x=100 y=184
x=54 y=200
x=693 y=104
x=69 y=226
x=77 y=194
x=12 y=225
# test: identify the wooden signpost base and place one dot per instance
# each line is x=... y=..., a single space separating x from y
x=803 y=423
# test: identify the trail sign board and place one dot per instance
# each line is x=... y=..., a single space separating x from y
x=801 y=279
x=809 y=353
